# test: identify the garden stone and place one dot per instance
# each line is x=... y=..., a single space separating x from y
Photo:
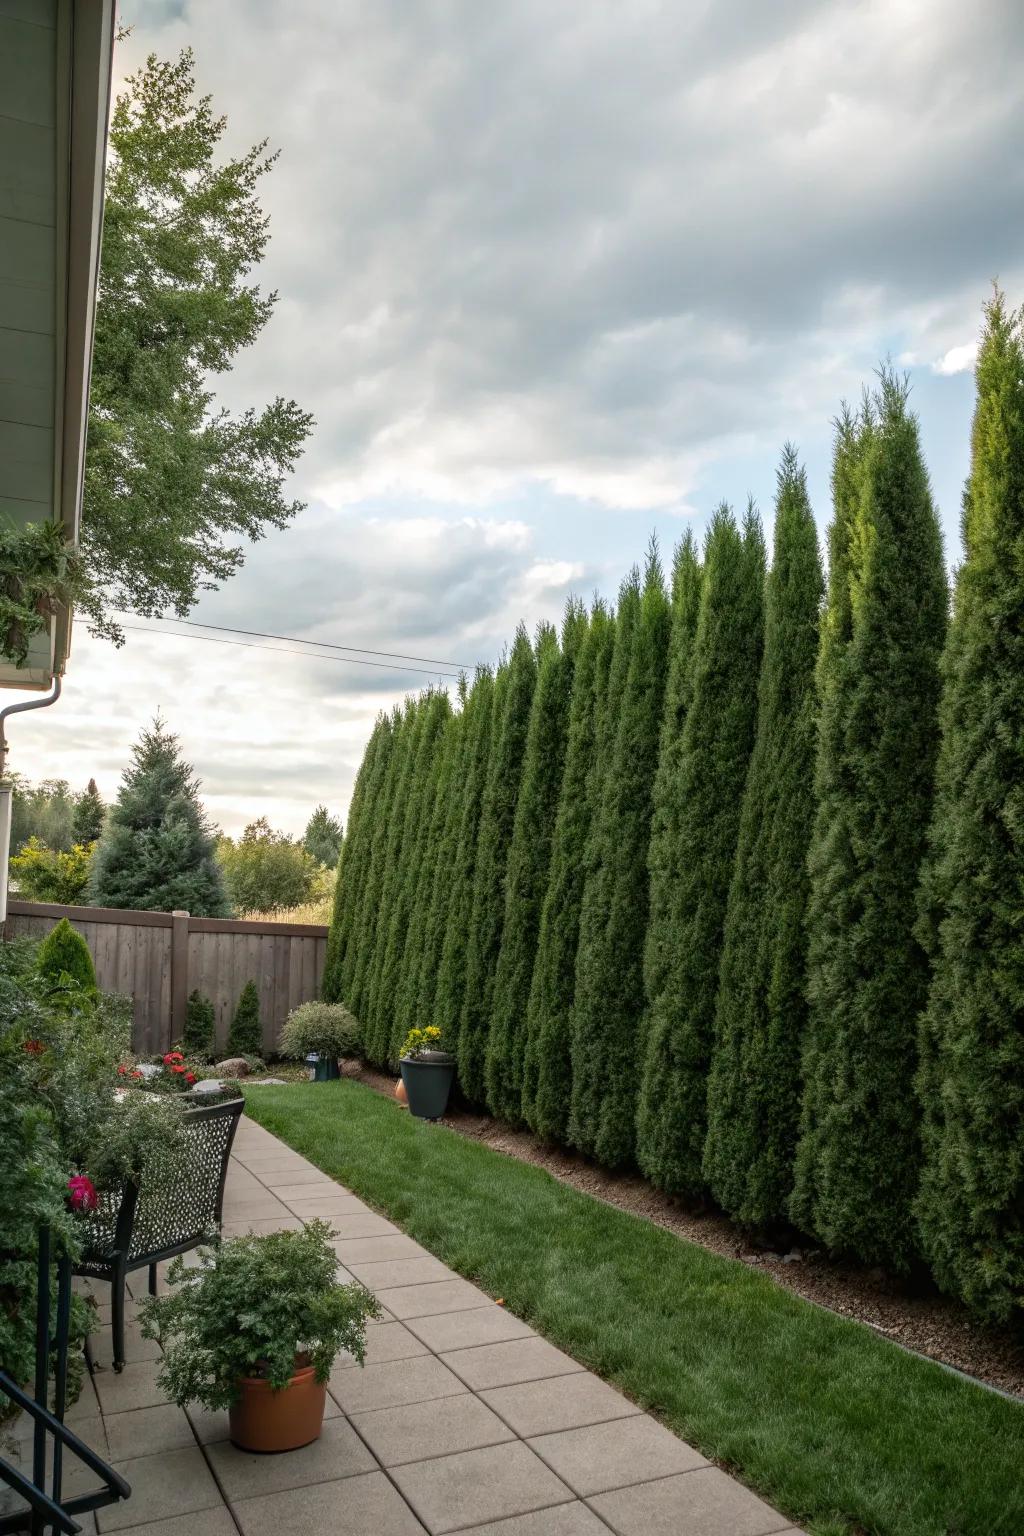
x=147 y=1069
x=234 y=1066
x=207 y=1085
x=268 y=1082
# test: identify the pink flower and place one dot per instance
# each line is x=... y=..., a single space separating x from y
x=82 y=1193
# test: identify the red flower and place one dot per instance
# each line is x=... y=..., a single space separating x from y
x=190 y=1078
x=82 y=1193
x=122 y=1070
x=177 y=1067
x=134 y=1074
x=35 y=1047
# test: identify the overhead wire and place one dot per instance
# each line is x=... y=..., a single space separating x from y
x=330 y=645
x=283 y=650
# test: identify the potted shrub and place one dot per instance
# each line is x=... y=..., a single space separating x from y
x=325 y=1031
x=255 y=1328
x=427 y=1072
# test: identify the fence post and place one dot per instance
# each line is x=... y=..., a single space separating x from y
x=179 y=974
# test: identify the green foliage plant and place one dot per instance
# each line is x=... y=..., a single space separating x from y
x=200 y=1024
x=323 y=837
x=754 y=1084
x=89 y=814
x=717 y=739
x=64 y=953
x=970 y=1206
x=47 y=874
x=419 y=1041
x=328 y=1029
x=40 y=573
x=265 y=871
x=252 y=1307
x=245 y=1037
x=858 y=1157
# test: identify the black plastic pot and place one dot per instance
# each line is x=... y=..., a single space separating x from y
x=326 y=1070
x=428 y=1082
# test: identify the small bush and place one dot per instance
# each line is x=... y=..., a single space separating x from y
x=199 y=1024
x=326 y=1028
x=245 y=1037
x=65 y=953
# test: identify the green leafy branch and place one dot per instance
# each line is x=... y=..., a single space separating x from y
x=40 y=572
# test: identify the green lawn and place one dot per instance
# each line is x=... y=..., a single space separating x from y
x=839 y=1429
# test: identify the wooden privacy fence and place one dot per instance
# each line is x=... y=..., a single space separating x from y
x=158 y=958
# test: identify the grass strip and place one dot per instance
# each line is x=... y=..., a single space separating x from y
x=841 y=1430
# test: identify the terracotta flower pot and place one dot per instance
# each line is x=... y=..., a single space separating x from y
x=268 y=1421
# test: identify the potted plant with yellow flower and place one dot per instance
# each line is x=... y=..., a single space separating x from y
x=427 y=1072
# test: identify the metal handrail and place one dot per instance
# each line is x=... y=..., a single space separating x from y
x=48 y=1510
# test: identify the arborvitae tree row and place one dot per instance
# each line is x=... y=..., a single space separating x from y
x=716 y=745
x=450 y=990
x=436 y=809
x=497 y=820
x=353 y=863
x=858 y=1158
x=585 y=1083
x=433 y=710
x=451 y=792
x=971 y=1203
x=547 y=1065
x=528 y=862
x=754 y=1085
x=610 y=986
x=385 y=832
x=664 y=849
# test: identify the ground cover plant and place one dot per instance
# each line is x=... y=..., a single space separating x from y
x=838 y=1428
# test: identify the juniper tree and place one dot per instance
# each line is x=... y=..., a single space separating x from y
x=384 y=826
x=547 y=1061
x=450 y=990
x=581 y=1111
x=156 y=852
x=971 y=1081
x=715 y=752
x=609 y=1006
x=529 y=862
x=497 y=818
x=245 y=1037
x=353 y=864
x=666 y=805
x=858 y=1159
x=437 y=809
x=754 y=1083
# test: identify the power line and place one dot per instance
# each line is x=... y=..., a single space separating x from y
x=282 y=650
x=259 y=634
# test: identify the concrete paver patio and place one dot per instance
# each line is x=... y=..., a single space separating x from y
x=463 y=1419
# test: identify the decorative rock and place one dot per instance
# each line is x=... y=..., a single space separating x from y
x=147 y=1069
x=269 y=1082
x=235 y=1066
x=350 y=1066
x=208 y=1085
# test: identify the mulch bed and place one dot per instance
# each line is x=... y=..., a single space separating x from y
x=928 y=1324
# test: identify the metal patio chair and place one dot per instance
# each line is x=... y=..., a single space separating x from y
x=137 y=1228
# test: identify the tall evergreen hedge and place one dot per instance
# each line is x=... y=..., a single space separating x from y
x=715 y=752
x=460 y=856
x=858 y=1157
x=381 y=850
x=609 y=1005
x=971 y=1202
x=497 y=819
x=528 y=863
x=754 y=1083
x=547 y=1065
x=353 y=862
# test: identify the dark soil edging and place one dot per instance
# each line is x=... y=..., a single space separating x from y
x=931 y=1326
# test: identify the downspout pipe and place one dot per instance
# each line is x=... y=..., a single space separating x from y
x=16 y=709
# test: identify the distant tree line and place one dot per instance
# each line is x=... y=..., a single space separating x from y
x=726 y=885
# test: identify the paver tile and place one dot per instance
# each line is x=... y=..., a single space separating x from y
x=360 y=1225
x=367 y=1505
x=136 y=1348
x=147 y=1431
x=563 y=1520
x=613 y=1455
x=296 y=1179
x=437 y=1296
x=384 y=1342
x=420 y=1430
x=368 y=1249
x=514 y=1360
x=701 y=1503
x=338 y=1453
x=480 y=1324
x=384 y=1274
x=475 y=1486
x=174 y=1484
x=203 y=1522
x=284 y=1223
x=396 y=1382
x=211 y=1425
x=135 y=1387
x=560 y=1402
x=326 y=1206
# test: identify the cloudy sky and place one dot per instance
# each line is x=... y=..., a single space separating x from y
x=554 y=274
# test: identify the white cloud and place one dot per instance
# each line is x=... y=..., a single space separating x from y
x=959 y=359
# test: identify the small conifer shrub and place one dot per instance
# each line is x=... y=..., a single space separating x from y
x=65 y=953
x=199 y=1025
x=245 y=1037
